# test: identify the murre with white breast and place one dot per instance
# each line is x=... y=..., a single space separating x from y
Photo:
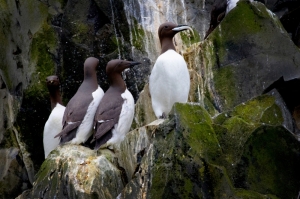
x=115 y=112
x=80 y=111
x=54 y=123
x=169 y=81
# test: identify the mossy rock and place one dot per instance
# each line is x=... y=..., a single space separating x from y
x=269 y=163
x=246 y=53
x=233 y=128
x=73 y=171
x=178 y=163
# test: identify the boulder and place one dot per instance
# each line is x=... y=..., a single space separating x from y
x=242 y=57
x=188 y=155
x=73 y=171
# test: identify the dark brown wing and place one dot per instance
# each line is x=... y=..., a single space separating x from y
x=108 y=113
x=73 y=115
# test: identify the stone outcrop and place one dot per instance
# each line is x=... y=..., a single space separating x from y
x=242 y=59
x=74 y=171
x=241 y=153
x=238 y=154
x=231 y=141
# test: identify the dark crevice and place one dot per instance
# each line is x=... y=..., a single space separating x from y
x=19 y=90
x=96 y=17
x=2 y=83
x=18 y=6
x=290 y=18
x=18 y=51
x=30 y=35
x=18 y=25
x=56 y=21
x=139 y=157
x=19 y=64
x=123 y=173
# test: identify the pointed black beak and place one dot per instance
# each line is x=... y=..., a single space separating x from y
x=132 y=64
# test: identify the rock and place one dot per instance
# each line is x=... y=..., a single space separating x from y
x=269 y=163
x=242 y=57
x=144 y=113
x=13 y=175
x=192 y=156
x=172 y=162
x=287 y=12
x=132 y=149
x=233 y=128
x=73 y=171
x=238 y=154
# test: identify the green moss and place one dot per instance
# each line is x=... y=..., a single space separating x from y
x=234 y=128
x=42 y=50
x=189 y=37
x=138 y=35
x=3 y=5
x=270 y=163
x=255 y=108
x=196 y=127
x=35 y=106
x=272 y=116
x=9 y=140
x=223 y=78
x=221 y=118
x=232 y=137
x=82 y=31
x=209 y=106
x=246 y=21
x=219 y=48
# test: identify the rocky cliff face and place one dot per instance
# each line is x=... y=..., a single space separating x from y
x=236 y=140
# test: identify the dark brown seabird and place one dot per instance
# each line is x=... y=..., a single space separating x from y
x=54 y=123
x=80 y=111
x=116 y=110
x=216 y=15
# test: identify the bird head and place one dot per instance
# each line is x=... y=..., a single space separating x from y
x=169 y=29
x=118 y=65
x=52 y=81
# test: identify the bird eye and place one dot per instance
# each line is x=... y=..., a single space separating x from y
x=166 y=27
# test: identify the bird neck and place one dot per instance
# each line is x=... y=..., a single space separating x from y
x=55 y=97
x=117 y=83
x=90 y=80
x=167 y=44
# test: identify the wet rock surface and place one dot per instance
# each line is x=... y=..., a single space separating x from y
x=210 y=149
x=189 y=157
x=74 y=171
x=243 y=59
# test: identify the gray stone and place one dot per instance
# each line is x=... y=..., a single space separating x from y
x=73 y=171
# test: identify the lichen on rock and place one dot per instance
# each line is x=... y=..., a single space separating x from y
x=73 y=171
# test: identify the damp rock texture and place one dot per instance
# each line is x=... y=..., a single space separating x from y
x=74 y=171
x=243 y=57
x=236 y=138
x=245 y=153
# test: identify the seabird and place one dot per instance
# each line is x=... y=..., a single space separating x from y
x=169 y=81
x=54 y=123
x=115 y=112
x=80 y=111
